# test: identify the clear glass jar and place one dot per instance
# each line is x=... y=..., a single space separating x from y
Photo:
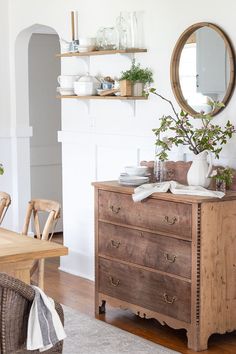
x=100 y=38
x=220 y=185
x=109 y=38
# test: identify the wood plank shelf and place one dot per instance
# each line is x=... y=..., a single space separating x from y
x=123 y=98
x=102 y=52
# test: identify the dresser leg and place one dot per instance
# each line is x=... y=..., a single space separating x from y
x=196 y=341
x=102 y=308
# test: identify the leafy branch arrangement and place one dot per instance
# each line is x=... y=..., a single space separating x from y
x=136 y=73
x=1 y=169
x=207 y=137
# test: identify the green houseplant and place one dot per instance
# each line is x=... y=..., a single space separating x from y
x=132 y=81
x=223 y=177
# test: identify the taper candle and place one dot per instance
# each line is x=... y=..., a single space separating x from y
x=72 y=25
x=76 y=24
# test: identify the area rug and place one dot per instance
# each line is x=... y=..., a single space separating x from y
x=87 y=335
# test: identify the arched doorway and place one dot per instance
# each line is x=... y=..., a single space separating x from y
x=35 y=147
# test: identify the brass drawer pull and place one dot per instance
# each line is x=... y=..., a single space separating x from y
x=113 y=283
x=114 y=209
x=170 y=221
x=115 y=244
x=170 y=258
x=167 y=300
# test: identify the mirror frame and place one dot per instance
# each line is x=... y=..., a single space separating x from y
x=174 y=67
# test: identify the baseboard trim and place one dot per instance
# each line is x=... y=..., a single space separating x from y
x=79 y=264
x=78 y=274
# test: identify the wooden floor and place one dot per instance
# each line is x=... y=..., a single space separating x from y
x=78 y=293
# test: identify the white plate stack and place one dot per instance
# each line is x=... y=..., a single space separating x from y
x=134 y=176
x=65 y=91
x=127 y=180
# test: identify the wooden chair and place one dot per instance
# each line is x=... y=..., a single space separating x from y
x=35 y=207
x=5 y=201
x=15 y=302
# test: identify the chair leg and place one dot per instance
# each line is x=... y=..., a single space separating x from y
x=41 y=274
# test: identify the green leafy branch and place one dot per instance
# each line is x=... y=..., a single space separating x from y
x=209 y=136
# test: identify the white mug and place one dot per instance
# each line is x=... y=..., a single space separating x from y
x=67 y=81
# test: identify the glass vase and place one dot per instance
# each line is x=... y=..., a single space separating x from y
x=220 y=185
x=130 y=30
x=159 y=171
x=122 y=30
x=133 y=28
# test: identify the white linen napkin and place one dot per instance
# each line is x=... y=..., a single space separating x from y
x=44 y=325
x=145 y=190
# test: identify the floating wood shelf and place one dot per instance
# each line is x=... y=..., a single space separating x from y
x=103 y=97
x=102 y=52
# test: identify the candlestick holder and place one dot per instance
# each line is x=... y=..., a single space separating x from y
x=74 y=46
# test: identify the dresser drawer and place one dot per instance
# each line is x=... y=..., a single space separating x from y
x=153 y=291
x=153 y=214
x=147 y=249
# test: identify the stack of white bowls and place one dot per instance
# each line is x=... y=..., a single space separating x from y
x=66 y=83
x=86 y=44
x=134 y=176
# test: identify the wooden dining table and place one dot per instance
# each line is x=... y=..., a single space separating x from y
x=18 y=253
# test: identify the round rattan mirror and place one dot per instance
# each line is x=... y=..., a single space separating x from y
x=202 y=68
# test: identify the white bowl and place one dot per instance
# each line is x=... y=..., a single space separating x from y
x=83 y=49
x=87 y=41
x=136 y=170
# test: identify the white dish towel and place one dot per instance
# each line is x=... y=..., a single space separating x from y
x=145 y=190
x=44 y=325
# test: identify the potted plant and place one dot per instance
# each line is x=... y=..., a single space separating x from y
x=223 y=177
x=132 y=81
x=198 y=133
x=1 y=169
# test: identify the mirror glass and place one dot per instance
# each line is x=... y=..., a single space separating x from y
x=203 y=69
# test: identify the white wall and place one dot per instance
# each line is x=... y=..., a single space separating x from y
x=98 y=142
x=5 y=107
x=45 y=119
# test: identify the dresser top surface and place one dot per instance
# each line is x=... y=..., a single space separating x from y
x=114 y=186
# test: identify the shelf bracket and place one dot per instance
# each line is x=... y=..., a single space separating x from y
x=131 y=56
x=87 y=104
x=132 y=105
x=86 y=60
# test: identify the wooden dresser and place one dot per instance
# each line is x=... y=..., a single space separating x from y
x=169 y=257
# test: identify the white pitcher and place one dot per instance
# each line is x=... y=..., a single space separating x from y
x=198 y=174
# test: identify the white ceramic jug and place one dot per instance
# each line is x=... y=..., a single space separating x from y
x=198 y=174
